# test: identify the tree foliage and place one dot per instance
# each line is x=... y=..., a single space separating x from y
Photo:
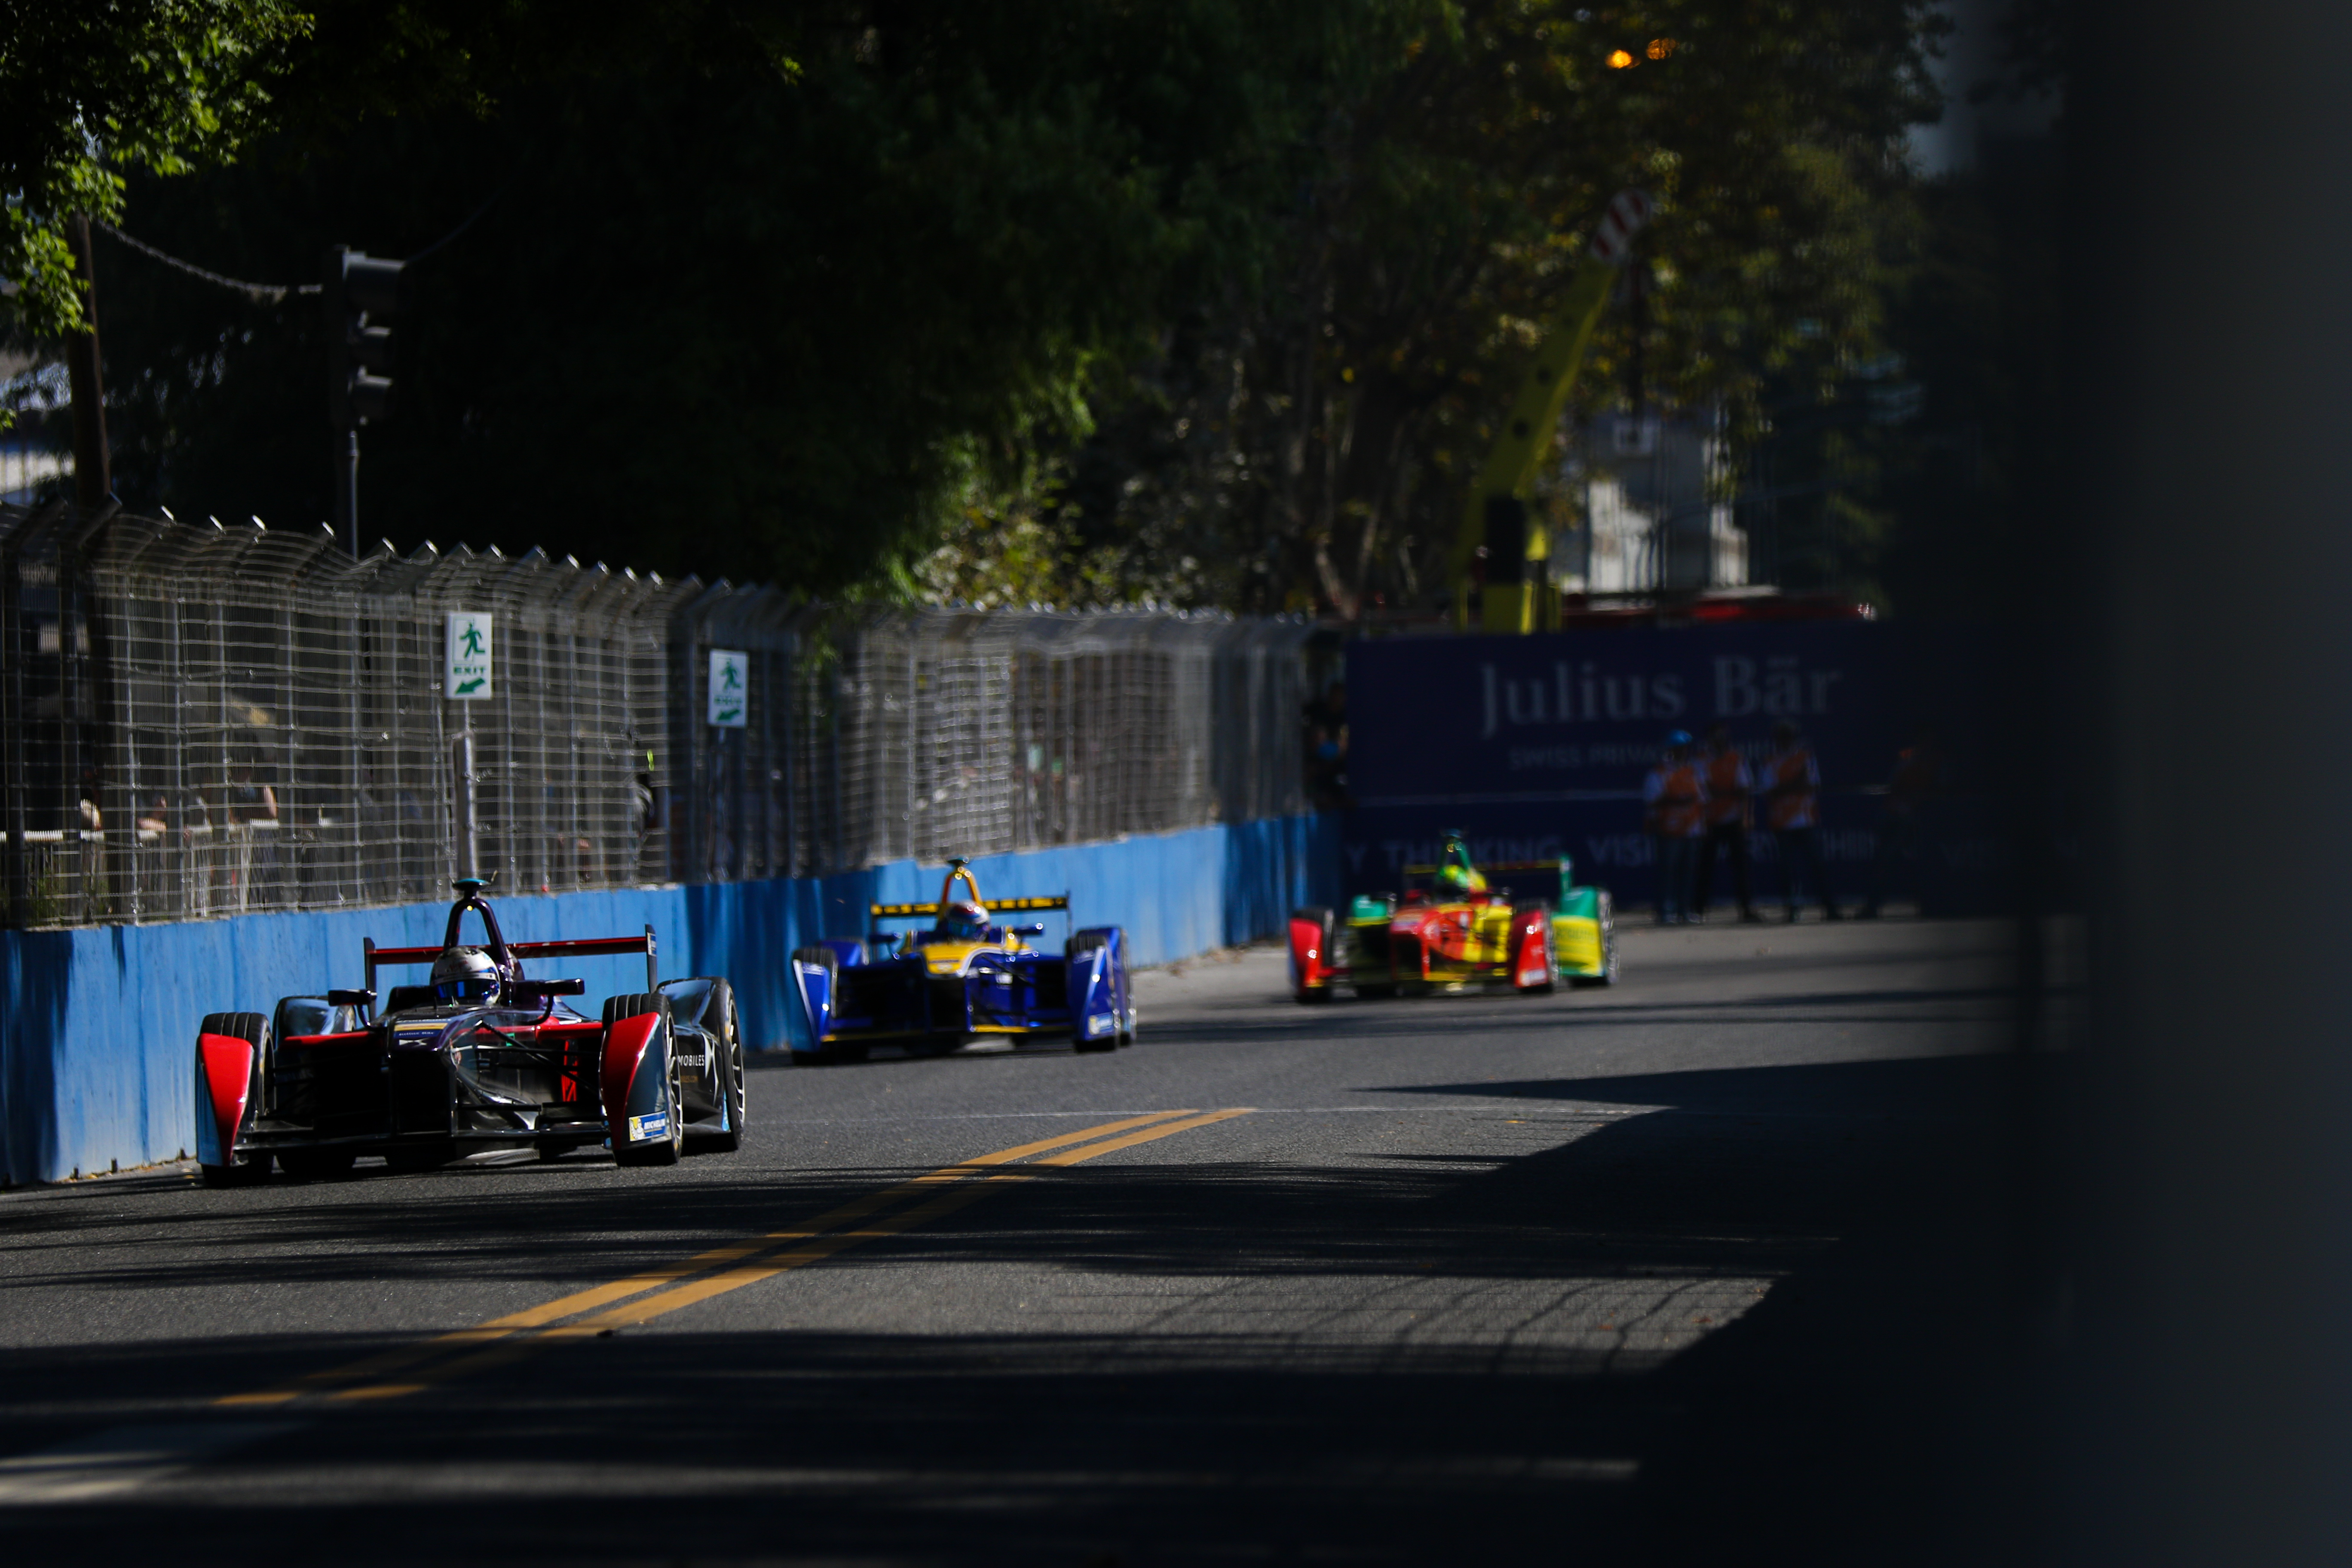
x=1335 y=418
x=1200 y=300
x=89 y=92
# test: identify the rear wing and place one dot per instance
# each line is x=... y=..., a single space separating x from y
x=995 y=905
x=1558 y=866
x=586 y=947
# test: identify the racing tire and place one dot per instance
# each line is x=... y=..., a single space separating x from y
x=839 y=1052
x=1375 y=993
x=1070 y=950
x=317 y=1164
x=667 y=1151
x=1325 y=922
x=1550 y=952
x=1608 y=975
x=728 y=1040
x=253 y=1028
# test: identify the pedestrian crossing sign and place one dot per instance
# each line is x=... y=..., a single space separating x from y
x=467 y=665
x=730 y=688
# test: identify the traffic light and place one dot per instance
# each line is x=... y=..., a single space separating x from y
x=359 y=292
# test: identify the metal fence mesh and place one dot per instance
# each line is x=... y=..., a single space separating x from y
x=227 y=720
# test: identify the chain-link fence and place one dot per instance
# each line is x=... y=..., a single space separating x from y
x=874 y=734
x=226 y=720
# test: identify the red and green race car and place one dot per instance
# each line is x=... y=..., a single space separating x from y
x=1450 y=931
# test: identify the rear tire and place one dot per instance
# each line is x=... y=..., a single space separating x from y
x=253 y=1029
x=726 y=1043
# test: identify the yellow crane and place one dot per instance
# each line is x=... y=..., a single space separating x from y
x=1496 y=511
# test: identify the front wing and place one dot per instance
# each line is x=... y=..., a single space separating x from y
x=1083 y=995
x=555 y=1083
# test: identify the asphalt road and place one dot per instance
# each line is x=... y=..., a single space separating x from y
x=1695 y=1267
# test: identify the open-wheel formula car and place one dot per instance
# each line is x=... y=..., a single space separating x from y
x=479 y=1058
x=967 y=975
x=1449 y=930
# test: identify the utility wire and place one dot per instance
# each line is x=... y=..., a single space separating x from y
x=261 y=293
x=461 y=227
x=271 y=294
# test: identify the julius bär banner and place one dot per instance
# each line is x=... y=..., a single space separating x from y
x=1537 y=745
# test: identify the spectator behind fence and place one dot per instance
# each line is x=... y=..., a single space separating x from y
x=1792 y=813
x=1674 y=811
x=1325 y=720
x=92 y=820
x=1908 y=794
x=1728 y=816
x=247 y=800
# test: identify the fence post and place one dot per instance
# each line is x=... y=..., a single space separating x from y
x=69 y=684
x=465 y=851
x=14 y=719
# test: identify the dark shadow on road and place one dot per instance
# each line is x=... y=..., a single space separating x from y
x=1280 y=1398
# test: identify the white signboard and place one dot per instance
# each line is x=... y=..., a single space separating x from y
x=468 y=654
x=730 y=687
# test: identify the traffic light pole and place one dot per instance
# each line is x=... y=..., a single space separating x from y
x=347 y=490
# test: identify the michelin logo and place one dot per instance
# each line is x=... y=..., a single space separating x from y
x=644 y=1127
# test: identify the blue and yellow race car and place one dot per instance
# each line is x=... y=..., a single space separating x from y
x=966 y=977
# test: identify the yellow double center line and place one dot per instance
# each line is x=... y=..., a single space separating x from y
x=715 y=1272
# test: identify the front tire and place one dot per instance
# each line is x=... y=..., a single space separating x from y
x=726 y=1043
x=1607 y=919
x=253 y=1029
x=252 y=1174
x=1550 y=954
x=665 y=1152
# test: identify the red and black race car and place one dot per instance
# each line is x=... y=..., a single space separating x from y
x=480 y=1057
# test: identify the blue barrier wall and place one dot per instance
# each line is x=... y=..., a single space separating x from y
x=97 y=1026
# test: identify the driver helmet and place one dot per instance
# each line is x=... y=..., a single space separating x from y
x=1453 y=877
x=964 y=922
x=464 y=974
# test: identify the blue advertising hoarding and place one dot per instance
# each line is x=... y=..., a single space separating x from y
x=1537 y=745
